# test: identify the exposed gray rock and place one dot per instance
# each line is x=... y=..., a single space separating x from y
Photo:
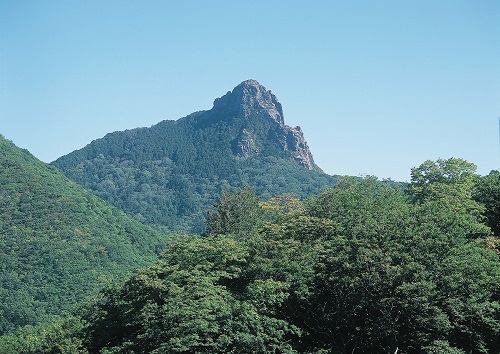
x=298 y=145
x=246 y=145
x=249 y=98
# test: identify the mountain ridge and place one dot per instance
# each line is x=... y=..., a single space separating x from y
x=176 y=168
x=250 y=95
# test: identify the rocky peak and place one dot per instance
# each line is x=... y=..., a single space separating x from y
x=250 y=96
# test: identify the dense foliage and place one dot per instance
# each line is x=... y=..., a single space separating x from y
x=487 y=192
x=363 y=267
x=58 y=242
x=168 y=175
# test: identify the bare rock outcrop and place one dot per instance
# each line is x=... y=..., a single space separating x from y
x=249 y=99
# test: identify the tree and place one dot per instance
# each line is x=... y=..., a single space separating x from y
x=62 y=336
x=195 y=299
x=470 y=295
x=487 y=192
x=363 y=208
x=238 y=213
x=392 y=274
x=444 y=189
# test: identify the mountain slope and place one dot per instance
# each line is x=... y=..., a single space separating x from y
x=58 y=242
x=169 y=174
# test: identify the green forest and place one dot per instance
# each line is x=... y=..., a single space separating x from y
x=168 y=175
x=58 y=242
x=217 y=233
x=364 y=266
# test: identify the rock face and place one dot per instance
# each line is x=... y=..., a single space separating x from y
x=245 y=144
x=249 y=99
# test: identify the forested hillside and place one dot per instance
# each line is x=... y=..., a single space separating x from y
x=288 y=259
x=362 y=267
x=168 y=175
x=58 y=242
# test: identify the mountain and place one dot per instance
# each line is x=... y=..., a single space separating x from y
x=168 y=175
x=58 y=242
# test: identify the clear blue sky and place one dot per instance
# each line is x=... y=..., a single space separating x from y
x=378 y=87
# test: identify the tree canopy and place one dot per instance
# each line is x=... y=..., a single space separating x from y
x=58 y=242
x=365 y=266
